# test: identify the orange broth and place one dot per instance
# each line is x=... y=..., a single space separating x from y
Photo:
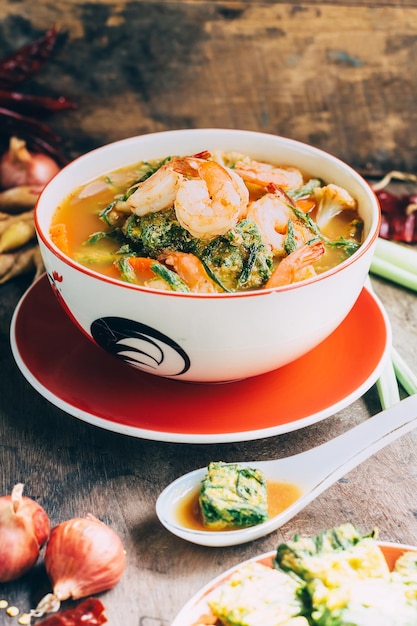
x=80 y=215
x=280 y=497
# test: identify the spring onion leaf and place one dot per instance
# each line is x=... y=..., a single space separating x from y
x=290 y=242
x=213 y=276
x=308 y=221
x=104 y=214
x=348 y=245
x=248 y=266
x=126 y=250
x=306 y=190
x=171 y=278
x=127 y=272
x=95 y=237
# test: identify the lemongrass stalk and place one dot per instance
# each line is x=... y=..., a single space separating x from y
x=396 y=274
x=405 y=375
x=397 y=254
x=386 y=384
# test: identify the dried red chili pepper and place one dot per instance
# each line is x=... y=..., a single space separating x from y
x=15 y=68
x=14 y=121
x=398 y=211
x=28 y=59
x=398 y=223
x=90 y=612
x=35 y=102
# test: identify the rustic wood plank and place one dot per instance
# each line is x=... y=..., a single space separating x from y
x=334 y=75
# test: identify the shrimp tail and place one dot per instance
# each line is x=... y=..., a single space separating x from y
x=204 y=155
x=189 y=165
x=293 y=267
x=191 y=271
x=280 y=192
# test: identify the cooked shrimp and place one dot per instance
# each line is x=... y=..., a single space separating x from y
x=293 y=267
x=157 y=192
x=212 y=203
x=271 y=214
x=191 y=270
x=263 y=174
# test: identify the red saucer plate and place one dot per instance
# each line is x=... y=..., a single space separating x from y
x=197 y=611
x=75 y=375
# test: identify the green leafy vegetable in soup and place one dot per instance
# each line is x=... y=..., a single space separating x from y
x=242 y=224
x=157 y=233
x=239 y=259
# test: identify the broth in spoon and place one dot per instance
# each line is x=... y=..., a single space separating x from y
x=280 y=496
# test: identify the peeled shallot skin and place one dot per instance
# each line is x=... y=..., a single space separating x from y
x=83 y=557
x=24 y=529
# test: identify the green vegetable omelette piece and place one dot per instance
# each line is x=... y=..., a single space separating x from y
x=386 y=601
x=347 y=579
x=256 y=595
x=333 y=556
x=337 y=578
x=233 y=495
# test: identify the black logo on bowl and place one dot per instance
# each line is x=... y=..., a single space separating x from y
x=140 y=345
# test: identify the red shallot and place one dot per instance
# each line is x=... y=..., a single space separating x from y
x=20 y=167
x=24 y=529
x=83 y=557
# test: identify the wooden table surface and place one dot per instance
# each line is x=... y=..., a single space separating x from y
x=180 y=80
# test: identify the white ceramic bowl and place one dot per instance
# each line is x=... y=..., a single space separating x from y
x=206 y=337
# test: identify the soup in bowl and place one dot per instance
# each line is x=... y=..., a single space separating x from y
x=207 y=255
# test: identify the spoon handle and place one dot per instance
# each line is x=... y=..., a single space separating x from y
x=333 y=459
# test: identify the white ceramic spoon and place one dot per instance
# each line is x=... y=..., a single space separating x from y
x=313 y=471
